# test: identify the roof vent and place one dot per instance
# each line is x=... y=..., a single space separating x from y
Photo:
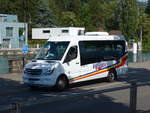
x=96 y=34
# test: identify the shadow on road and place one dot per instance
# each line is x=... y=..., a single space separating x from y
x=87 y=104
x=142 y=111
x=137 y=75
x=10 y=83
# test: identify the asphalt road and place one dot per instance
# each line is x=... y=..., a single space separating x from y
x=112 y=102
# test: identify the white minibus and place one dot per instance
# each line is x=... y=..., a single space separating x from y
x=67 y=59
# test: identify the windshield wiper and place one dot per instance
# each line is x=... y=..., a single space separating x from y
x=49 y=59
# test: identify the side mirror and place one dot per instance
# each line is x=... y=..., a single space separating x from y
x=72 y=54
x=34 y=60
x=67 y=59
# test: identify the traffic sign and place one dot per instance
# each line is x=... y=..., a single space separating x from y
x=25 y=48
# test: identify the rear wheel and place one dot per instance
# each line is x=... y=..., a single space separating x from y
x=62 y=83
x=111 y=76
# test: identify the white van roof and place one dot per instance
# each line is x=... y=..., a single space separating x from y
x=85 y=38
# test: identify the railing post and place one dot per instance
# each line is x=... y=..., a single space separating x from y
x=16 y=107
x=133 y=97
x=23 y=60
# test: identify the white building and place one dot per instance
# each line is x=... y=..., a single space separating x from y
x=13 y=34
x=46 y=33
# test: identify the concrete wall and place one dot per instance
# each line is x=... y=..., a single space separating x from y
x=11 y=60
x=16 y=65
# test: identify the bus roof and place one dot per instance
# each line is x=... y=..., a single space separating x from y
x=86 y=38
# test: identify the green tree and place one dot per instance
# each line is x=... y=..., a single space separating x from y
x=100 y=13
x=85 y=17
x=69 y=19
x=55 y=10
x=97 y=13
x=112 y=15
x=62 y=4
x=67 y=5
x=129 y=19
x=146 y=31
x=74 y=6
x=6 y=7
x=44 y=17
x=27 y=9
x=147 y=9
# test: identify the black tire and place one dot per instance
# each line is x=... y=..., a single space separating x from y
x=111 y=76
x=62 y=83
x=34 y=87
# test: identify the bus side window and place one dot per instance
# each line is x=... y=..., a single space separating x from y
x=72 y=54
x=119 y=49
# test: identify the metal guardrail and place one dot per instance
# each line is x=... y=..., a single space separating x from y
x=16 y=106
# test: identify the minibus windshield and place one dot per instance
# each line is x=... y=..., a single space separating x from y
x=52 y=51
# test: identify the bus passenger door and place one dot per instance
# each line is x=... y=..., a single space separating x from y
x=72 y=63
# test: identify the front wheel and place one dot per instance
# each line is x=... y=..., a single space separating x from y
x=33 y=87
x=62 y=83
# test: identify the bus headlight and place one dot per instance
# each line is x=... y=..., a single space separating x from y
x=51 y=69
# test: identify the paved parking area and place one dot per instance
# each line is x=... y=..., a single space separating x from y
x=139 y=72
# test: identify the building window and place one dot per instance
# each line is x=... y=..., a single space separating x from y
x=6 y=43
x=46 y=31
x=9 y=31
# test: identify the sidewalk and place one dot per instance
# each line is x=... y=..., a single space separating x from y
x=12 y=76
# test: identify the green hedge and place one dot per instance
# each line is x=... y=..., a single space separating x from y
x=32 y=42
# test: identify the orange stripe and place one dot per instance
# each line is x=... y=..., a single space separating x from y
x=89 y=75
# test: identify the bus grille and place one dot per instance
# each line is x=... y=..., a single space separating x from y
x=34 y=71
